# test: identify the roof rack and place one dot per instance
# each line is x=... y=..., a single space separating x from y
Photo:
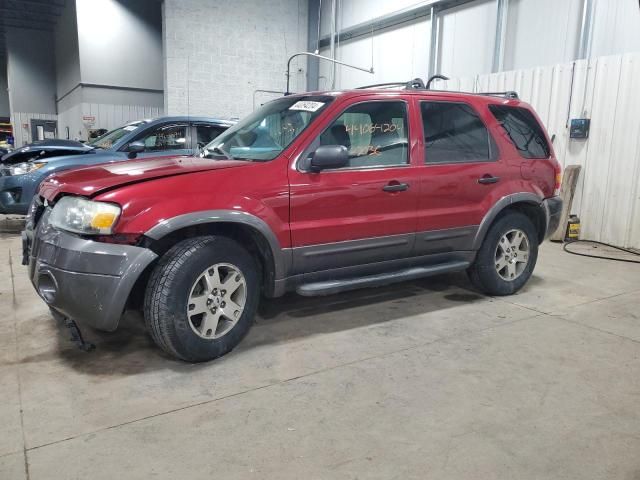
x=508 y=94
x=418 y=84
x=415 y=84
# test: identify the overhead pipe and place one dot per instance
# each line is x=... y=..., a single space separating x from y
x=332 y=44
x=501 y=32
x=434 y=45
x=321 y=57
x=585 y=30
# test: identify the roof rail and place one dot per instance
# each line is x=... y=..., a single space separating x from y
x=418 y=84
x=415 y=84
x=508 y=94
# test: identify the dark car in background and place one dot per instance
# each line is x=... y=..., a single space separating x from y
x=41 y=149
x=22 y=170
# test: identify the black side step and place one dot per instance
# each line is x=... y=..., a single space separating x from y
x=329 y=287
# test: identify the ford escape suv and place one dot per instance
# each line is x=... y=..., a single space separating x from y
x=316 y=193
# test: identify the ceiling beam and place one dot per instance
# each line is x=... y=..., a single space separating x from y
x=422 y=9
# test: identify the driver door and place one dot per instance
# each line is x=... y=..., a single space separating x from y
x=365 y=212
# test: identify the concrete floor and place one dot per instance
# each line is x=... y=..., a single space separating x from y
x=419 y=380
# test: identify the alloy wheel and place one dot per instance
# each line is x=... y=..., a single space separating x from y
x=512 y=254
x=216 y=301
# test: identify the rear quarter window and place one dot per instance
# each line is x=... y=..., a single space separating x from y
x=523 y=130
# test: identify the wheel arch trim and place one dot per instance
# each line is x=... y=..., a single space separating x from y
x=499 y=206
x=204 y=217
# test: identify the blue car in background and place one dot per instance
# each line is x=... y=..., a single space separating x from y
x=22 y=170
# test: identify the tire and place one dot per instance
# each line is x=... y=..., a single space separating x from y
x=485 y=274
x=193 y=266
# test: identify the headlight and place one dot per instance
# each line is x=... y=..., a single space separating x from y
x=76 y=214
x=25 y=167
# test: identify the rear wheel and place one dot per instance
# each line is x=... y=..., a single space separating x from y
x=201 y=298
x=507 y=256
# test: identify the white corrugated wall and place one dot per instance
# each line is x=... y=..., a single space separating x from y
x=106 y=116
x=605 y=90
x=22 y=134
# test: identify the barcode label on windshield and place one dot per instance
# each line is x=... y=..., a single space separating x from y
x=306 y=106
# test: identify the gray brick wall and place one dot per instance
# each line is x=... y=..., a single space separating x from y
x=217 y=53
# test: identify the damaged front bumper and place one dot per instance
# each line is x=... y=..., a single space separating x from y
x=83 y=279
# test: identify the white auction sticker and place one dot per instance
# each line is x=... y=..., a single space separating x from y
x=306 y=106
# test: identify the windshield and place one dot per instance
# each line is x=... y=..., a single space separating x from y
x=108 y=139
x=265 y=133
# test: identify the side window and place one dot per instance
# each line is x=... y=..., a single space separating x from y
x=523 y=130
x=375 y=134
x=206 y=133
x=454 y=133
x=166 y=137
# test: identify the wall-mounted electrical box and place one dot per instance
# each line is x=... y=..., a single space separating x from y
x=579 y=128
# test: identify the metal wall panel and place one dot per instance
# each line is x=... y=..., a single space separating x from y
x=541 y=32
x=383 y=48
x=21 y=135
x=605 y=90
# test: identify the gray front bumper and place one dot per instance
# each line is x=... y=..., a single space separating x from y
x=86 y=280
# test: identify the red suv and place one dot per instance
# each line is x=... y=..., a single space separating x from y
x=316 y=193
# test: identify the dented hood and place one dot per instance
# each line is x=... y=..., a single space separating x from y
x=45 y=149
x=100 y=178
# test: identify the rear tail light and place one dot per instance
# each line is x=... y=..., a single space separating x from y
x=558 y=170
x=556 y=190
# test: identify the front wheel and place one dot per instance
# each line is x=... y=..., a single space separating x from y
x=201 y=298
x=507 y=256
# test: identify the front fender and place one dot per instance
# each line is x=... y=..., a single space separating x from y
x=179 y=222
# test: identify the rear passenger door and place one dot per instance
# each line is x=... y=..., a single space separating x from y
x=461 y=170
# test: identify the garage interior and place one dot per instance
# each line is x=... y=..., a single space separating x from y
x=427 y=378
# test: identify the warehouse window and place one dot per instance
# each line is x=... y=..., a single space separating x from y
x=375 y=134
x=454 y=133
x=523 y=130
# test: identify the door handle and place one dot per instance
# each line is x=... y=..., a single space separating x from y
x=396 y=187
x=487 y=179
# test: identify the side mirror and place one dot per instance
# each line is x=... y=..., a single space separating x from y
x=329 y=156
x=135 y=148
